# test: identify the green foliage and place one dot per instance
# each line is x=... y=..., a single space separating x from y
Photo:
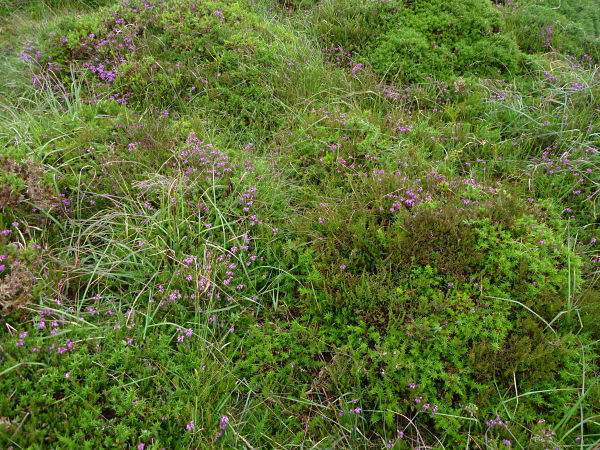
x=138 y=384
x=235 y=224
x=218 y=57
x=513 y=257
x=426 y=297
x=45 y=7
x=411 y=40
x=443 y=39
x=566 y=26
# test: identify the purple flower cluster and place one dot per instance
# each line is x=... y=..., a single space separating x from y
x=340 y=58
x=183 y=333
x=201 y=160
x=391 y=442
x=497 y=422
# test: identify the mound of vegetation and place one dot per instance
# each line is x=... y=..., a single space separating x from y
x=571 y=27
x=221 y=58
x=408 y=40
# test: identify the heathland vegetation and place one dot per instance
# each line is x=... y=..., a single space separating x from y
x=299 y=224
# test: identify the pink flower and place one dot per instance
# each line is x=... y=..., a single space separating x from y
x=223 y=422
x=190 y=426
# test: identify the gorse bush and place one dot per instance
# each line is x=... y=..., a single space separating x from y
x=308 y=224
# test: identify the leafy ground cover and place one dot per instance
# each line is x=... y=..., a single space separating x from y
x=303 y=224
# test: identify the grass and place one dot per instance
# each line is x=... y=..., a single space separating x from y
x=249 y=229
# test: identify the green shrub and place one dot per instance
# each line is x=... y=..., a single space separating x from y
x=409 y=41
x=442 y=39
x=448 y=299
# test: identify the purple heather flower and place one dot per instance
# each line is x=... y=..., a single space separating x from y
x=223 y=422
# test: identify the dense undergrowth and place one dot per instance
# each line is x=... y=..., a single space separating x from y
x=299 y=223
